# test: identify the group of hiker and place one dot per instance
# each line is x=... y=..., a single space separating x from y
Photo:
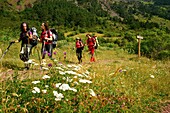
x=92 y=44
x=29 y=38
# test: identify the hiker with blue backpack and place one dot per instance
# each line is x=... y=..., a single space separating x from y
x=26 y=37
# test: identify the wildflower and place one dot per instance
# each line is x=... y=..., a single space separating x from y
x=45 y=68
x=71 y=72
x=80 y=75
x=64 y=87
x=77 y=68
x=49 y=65
x=64 y=78
x=92 y=92
x=55 y=93
x=44 y=52
x=87 y=72
x=46 y=86
x=62 y=73
x=55 y=60
x=45 y=77
x=85 y=75
x=64 y=53
x=120 y=70
x=36 y=64
x=152 y=76
x=57 y=85
x=85 y=81
x=15 y=95
x=73 y=89
x=59 y=68
x=35 y=82
x=124 y=70
x=58 y=96
x=69 y=80
x=55 y=53
x=75 y=82
x=69 y=65
x=49 y=54
x=43 y=63
x=44 y=91
x=111 y=74
x=36 y=90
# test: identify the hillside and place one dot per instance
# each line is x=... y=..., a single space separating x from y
x=117 y=82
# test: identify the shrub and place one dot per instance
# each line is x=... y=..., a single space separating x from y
x=163 y=55
x=82 y=30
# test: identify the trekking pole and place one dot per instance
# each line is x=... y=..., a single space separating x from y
x=6 y=50
x=39 y=58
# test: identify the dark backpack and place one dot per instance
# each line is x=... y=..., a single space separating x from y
x=81 y=44
x=34 y=41
x=54 y=36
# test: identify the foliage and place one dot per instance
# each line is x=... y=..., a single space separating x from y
x=120 y=83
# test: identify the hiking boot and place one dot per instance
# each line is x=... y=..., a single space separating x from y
x=94 y=59
x=91 y=60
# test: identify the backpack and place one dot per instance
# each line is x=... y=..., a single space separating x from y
x=54 y=36
x=34 y=41
x=81 y=43
x=96 y=43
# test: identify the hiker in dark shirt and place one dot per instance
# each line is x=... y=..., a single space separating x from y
x=25 y=38
x=79 y=48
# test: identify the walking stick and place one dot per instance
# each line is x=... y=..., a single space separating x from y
x=39 y=58
x=6 y=50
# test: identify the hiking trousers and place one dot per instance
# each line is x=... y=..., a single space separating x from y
x=79 y=54
x=47 y=49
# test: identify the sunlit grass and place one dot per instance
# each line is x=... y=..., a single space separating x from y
x=116 y=82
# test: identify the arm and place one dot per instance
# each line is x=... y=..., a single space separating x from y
x=29 y=34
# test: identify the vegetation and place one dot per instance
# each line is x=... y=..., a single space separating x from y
x=117 y=82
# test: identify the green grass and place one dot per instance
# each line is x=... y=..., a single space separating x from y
x=121 y=82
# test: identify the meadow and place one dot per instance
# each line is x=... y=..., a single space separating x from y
x=116 y=82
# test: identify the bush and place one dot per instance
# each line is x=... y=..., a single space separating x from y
x=163 y=55
x=100 y=31
x=82 y=30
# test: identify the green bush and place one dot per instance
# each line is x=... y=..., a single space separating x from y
x=82 y=30
x=163 y=55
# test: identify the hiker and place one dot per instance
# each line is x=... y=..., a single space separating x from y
x=91 y=44
x=46 y=39
x=79 y=48
x=26 y=47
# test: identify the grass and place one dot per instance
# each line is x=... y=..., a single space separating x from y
x=121 y=82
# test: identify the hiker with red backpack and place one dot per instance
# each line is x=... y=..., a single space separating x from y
x=79 y=48
x=46 y=39
x=26 y=38
x=91 y=45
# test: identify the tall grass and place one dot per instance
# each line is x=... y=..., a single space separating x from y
x=116 y=82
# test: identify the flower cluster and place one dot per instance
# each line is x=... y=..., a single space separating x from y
x=69 y=74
